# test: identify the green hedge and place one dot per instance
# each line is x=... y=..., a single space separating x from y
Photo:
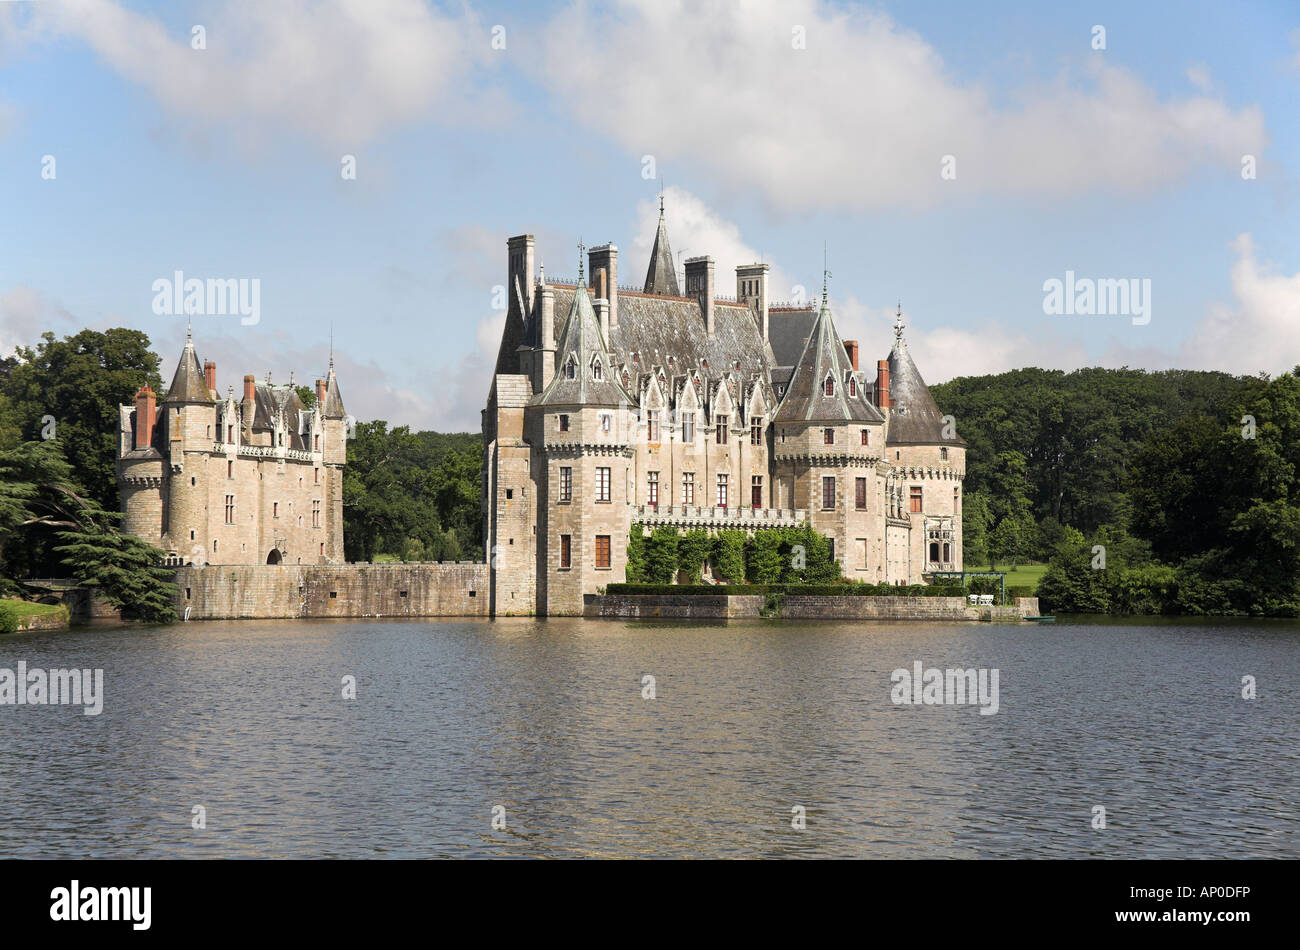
x=819 y=590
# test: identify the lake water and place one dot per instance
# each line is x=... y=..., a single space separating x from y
x=546 y=719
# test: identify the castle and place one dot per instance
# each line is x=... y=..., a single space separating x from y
x=611 y=407
x=257 y=480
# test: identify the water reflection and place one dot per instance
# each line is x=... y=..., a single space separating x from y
x=546 y=719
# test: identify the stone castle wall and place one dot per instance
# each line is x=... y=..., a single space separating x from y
x=262 y=591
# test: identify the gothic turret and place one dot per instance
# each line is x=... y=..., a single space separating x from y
x=661 y=277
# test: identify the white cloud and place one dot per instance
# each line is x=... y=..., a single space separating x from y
x=696 y=230
x=1260 y=331
x=339 y=71
x=862 y=118
x=26 y=313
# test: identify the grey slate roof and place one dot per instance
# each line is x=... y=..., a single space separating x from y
x=805 y=400
x=333 y=408
x=915 y=418
x=661 y=276
x=787 y=330
x=580 y=340
x=655 y=328
x=188 y=384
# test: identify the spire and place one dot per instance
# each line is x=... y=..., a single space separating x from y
x=915 y=418
x=661 y=276
x=825 y=274
x=188 y=384
x=899 y=343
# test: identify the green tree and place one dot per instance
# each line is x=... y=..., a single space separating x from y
x=693 y=550
x=729 y=556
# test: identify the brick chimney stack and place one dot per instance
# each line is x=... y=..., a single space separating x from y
x=751 y=290
x=882 y=384
x=210 y=375
x=320 y=394
x=250 y=385
x=145 y=406
x=851 y=347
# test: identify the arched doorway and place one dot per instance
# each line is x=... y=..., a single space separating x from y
x=274 y=556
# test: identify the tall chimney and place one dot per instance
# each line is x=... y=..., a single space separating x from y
x=699 y=283
x=145 y=405
x=320 y=394
x=250 y=386
x=851 y=347
x=751 y=290
x=603 y=262
x=520 y=254
x=882 y=384
x=210 y=375
x=602 y=317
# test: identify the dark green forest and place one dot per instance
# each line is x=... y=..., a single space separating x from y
x=1170 y=492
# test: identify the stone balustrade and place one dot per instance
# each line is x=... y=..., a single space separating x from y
x=691 y=516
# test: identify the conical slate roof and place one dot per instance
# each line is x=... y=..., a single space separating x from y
x=824 y=356
x=580 y=341
x=333 y=408
x=915 y=418
x=188 y=385
x=661 y=277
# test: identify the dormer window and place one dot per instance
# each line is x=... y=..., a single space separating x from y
x=596 y=370
x=571 y=368
x=853 y=386
x=828 y=387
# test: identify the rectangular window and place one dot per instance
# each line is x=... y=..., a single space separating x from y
x=602 y=550
x=722 y=430
x=230 y=433
x=652 y=424
x=956 y=501
x=606 y=420
x=916 y=499
x=602 y=484
x=566 y=483
x=828 y=436
x=230 y=470
x=566 y=552
x=756 y=431
x=275 y=509
x=828 y=492
x=653 y=489
x=564 y=423
x=756 y=491
x=315 y=476
x=317 y=442
x=860 y=494
x=688 y=427
x=865 y=440
x=688 y=488
x=722 y=491
x=943 y=454
x=230 y=509
x=315 y=513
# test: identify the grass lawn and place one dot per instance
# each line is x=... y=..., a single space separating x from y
x=1026 y=575
x=20 y=610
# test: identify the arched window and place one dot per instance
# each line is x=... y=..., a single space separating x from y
x=829 y=386
x=570 y=368
x=853 y=386
x=595 y=370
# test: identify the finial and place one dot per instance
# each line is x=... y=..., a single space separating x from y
x=898 y=324
x=268 y=377
x=331 y=346
x=661 y=196
x=825 y=273
x=541 y=266
x=581 y=272
x=189 y=330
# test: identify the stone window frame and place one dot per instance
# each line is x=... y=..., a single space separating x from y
x=562 y=422
x=688 y=488
x=605 y=546
x=566 y=485
x=860 y=493
x=829 y=483
x=604 y=489
x=722 y=497
x=566 y=552
x=756 y=430
x=828 y=436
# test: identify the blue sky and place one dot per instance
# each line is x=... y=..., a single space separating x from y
x=776 y=127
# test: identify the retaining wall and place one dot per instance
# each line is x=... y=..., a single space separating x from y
x=266 y=591
x=803 y=607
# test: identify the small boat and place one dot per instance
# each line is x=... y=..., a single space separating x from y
x=1042 y=619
